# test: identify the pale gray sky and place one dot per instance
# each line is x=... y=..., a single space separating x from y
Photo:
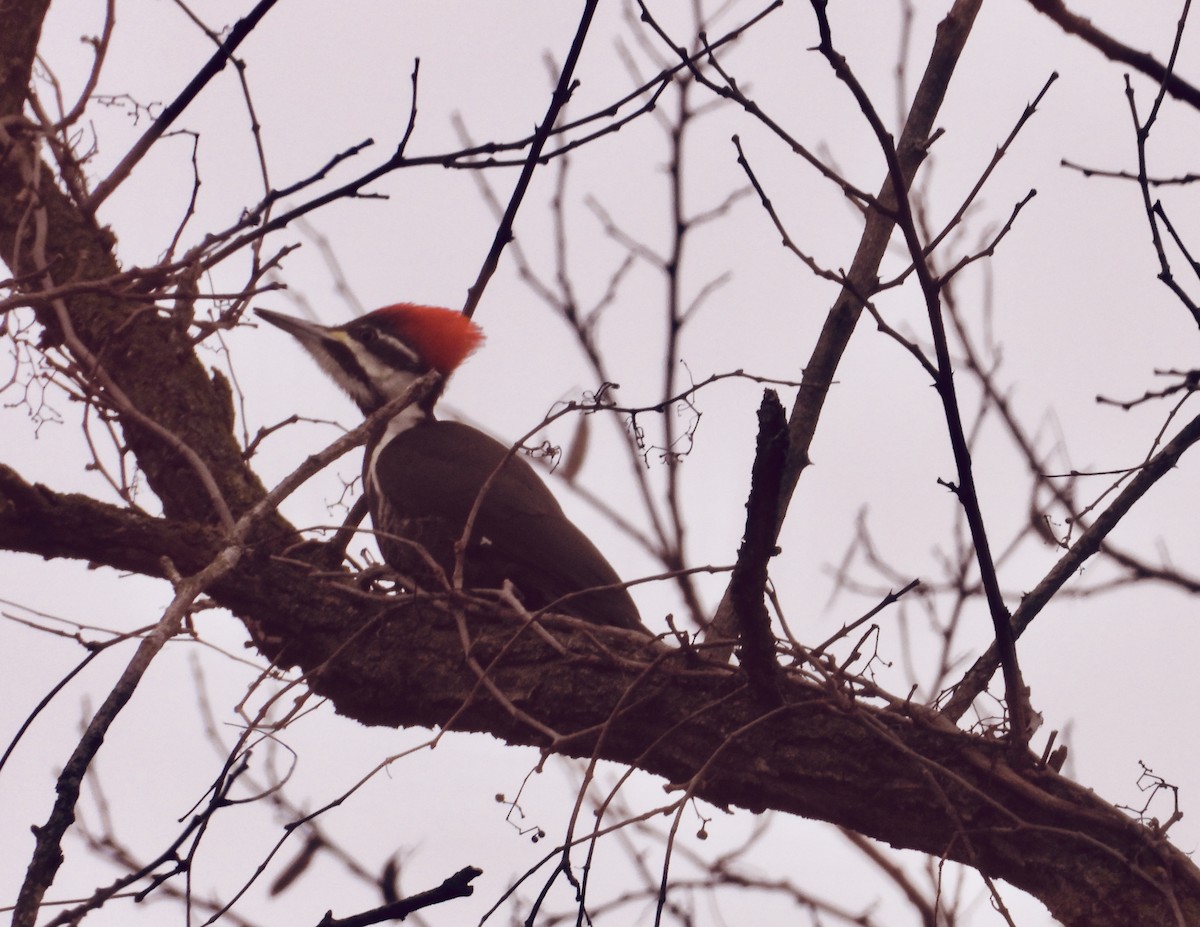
x=1074 y=304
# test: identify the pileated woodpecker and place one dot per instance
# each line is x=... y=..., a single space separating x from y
x=422 y=475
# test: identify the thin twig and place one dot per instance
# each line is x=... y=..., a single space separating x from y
x=562 y=93
x=241 y=29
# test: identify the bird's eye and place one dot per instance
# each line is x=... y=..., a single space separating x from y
x=366 y=334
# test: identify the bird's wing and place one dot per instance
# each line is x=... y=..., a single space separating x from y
x=435 y=469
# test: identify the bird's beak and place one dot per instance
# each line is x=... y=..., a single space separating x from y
x=297 y=328
x=318 y=340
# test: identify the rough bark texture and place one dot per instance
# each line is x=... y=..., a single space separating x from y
x=149 y=356
x=899 y=774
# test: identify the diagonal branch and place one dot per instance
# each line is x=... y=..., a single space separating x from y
x=241 y=29
x=47 y=855
x=562 y=93
x=840 y=323
x=1089 y=542
x=1115 y=50
x=455 y=886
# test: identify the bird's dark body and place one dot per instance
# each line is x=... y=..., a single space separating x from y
x=519 y=534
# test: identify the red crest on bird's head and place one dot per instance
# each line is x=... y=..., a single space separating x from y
x=443 y=337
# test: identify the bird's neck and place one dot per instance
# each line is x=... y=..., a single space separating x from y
x=406 y=418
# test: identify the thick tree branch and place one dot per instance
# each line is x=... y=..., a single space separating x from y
x=893 y=771
x=46 y=239
x=18 y=48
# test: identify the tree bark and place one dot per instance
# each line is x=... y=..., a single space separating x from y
x=895 y=772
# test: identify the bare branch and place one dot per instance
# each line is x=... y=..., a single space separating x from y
x=1089 y=542
x=240 y=31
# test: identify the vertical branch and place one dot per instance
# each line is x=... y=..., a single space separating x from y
x=1154 y=207
x=747 y=587
x=861 y=279
x=674 y=543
